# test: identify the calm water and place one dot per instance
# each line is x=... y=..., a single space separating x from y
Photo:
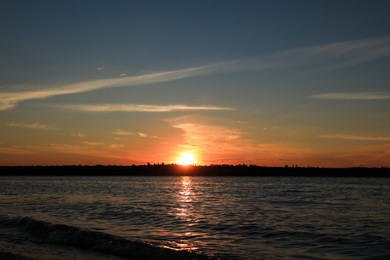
x=232 y=217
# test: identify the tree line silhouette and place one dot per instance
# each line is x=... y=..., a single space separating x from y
x=192 y=170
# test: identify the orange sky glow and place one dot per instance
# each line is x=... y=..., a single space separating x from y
x=243 y=82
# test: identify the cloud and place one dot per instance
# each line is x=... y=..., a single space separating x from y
x=356 y=137
x=100 y=68
x=9 y=99
x=217 y=143
x=353 y=96
x=123 y=75
x=329 y=56
x=93 y=143
x=83 y=149
x=139 y=134
x=341 y=54
x=116 y=146
x=142 y=135
x=77 y=134
x=61 y=153
x=139 y=108
x=30 y=125
x=122 y=132
x=14 y=150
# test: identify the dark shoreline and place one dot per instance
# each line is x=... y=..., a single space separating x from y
x=6 y=255
x=177 y=170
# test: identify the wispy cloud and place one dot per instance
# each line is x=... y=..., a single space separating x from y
x=218 y=143
x=61 y=153
x=341 y=54
x=139 y=108
x=116 y=146
x=77 y=134
x=139 y=134
x=30 y=125
x=144 y=135
x=93 y=143
x=317 y=58
x=353 y=96
x=356 y=137
x=122 y=132
x=14 y=150
x=9 y=99
x=83 y=149
x=329 y=56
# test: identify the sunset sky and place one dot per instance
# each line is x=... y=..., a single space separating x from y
x=257 y=82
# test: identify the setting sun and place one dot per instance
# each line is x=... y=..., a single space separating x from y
x=186 y=158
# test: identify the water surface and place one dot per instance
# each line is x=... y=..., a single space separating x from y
x=232 y=217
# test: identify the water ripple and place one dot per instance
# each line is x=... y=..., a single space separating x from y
x=234 y=217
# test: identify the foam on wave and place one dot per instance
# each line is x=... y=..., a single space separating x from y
x=97 y=241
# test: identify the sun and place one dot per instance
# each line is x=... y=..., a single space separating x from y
x=186 y=158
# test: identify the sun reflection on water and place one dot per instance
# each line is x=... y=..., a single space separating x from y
x=185 y=197
x=185 y=211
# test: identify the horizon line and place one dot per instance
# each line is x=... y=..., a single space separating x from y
x=197 y=165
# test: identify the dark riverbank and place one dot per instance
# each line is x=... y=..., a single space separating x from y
x=10 y=256
x=212 y=170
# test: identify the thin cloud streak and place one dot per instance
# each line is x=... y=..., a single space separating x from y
x=14 y=150
x=320 y=58
x=139 y=108
x=339 y=55
x=356 y=137
x=139 y=134
x=77 y=134
x=30 y=126
x=93 y=143
x=353 y=96
x=9 y=99
x=122 y=132
x=330 y=56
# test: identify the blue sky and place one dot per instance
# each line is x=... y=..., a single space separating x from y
x=263 y=82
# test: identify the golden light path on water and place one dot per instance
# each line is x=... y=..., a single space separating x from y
x=185 y=212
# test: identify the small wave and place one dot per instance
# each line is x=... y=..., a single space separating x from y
x=60 y=234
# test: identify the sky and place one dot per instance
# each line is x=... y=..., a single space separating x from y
x=269 y=83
